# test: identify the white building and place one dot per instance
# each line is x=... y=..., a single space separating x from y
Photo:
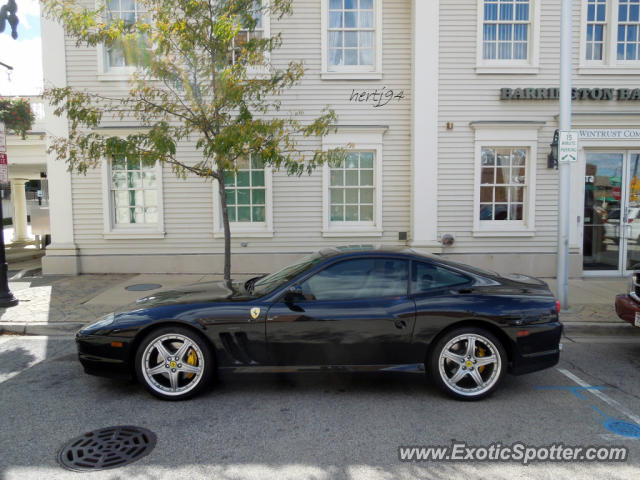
x=27 y=161
x=459 y=147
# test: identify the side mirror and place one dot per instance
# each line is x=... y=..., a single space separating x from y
x=294 y=292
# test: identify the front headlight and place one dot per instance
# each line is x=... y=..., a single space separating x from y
x=103 y=322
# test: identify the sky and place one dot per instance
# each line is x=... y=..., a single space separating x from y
x=23 y=54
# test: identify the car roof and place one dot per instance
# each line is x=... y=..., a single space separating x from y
x=365 y=249
x=359 y=250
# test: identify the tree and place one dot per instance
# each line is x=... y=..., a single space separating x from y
x=203 y=75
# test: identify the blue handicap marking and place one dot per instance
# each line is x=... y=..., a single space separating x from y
x=619 y=427
x=572 y=389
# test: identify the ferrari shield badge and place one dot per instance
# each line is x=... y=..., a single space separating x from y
x=255 y=312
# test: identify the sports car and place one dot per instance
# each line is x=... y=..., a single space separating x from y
x=350 y=308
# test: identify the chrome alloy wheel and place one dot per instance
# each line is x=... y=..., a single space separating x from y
x=172 y=364
x=470 y=364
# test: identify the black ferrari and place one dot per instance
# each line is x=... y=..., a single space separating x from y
x=347 y=308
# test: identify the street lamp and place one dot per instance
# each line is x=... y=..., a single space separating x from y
x=552 y=158
x=6 y=297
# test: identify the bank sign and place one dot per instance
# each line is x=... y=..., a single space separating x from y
x=602 y=94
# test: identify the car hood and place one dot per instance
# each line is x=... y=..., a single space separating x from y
x=207 y=292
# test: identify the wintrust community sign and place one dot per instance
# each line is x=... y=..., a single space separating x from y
x=597 y=94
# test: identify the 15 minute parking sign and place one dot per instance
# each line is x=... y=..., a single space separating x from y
x=568 y=147
x=4 y=174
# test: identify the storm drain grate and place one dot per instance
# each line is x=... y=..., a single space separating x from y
x=109 y=447
x=141 y=287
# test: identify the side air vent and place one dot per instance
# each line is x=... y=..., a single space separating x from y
x=237 y=347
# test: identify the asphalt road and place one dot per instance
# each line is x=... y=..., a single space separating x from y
x=317 y=426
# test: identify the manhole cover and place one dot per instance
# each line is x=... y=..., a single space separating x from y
x=109 y=447
x=141 y=287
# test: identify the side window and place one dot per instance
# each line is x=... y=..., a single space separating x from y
x=359 y=279
x=426 y=277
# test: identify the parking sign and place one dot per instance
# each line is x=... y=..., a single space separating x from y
x=568 y=148
x=4 y=168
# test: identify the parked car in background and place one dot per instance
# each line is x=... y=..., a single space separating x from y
x=351 y=308
x=612 y=225
x=628 y=304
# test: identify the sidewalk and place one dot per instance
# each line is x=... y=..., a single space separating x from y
x=59 y=305
x=591 y=307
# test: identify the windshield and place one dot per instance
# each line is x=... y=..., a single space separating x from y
x=271 y=282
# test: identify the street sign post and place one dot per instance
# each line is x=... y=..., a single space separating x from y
x=3 y=138
x=568 y=146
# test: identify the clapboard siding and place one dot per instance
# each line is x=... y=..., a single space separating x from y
x=465 y=96
x=297 y=201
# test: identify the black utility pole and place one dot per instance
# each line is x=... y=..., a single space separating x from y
x=6 y=297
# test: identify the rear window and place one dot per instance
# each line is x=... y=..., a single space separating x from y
x=426 y=277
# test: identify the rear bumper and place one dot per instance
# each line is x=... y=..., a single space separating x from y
x=99 y=357
x=627 y=307
x=538 y=350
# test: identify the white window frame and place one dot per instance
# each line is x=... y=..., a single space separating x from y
x=353 y=72
x=113 y=74
x=357 y=139
x=131 y=231
x=246 y=229
x=264 y=68
x=609 y=64
x=118 y=74
x=493 y=66
x=506 y=136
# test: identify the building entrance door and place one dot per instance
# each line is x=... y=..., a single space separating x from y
x=611 y=212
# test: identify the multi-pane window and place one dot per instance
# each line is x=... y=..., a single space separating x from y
x=596 y=23
x=129 y=11
x=246 y=191
x=351 y=189
x=134 y=192
x=244 y=35
x=351 y=33
x=503 y=183
x=628 y=44
x=506 y=29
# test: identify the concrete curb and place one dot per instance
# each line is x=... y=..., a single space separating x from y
x=41 y=329
x=600 y=328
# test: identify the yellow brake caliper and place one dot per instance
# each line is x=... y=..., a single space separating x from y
x=481 y=353
x=192 y=359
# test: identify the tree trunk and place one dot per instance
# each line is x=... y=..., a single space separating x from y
x=227 y=230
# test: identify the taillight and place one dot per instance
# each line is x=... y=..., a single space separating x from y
x=558 y=306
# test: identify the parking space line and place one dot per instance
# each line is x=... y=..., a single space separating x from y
x=602 y=396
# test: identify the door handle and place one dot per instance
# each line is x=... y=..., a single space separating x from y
x=400 y=324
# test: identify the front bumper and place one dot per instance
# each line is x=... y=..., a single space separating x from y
x=102 y=355
x=627 y=307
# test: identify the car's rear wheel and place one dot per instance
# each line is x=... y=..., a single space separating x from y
x=468 y=363
x=174 y=363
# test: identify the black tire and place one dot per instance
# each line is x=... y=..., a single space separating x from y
x=192 y=383
x=494 y=373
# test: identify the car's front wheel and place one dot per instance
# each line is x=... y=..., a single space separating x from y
x=468 y=363
x=174 y=363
